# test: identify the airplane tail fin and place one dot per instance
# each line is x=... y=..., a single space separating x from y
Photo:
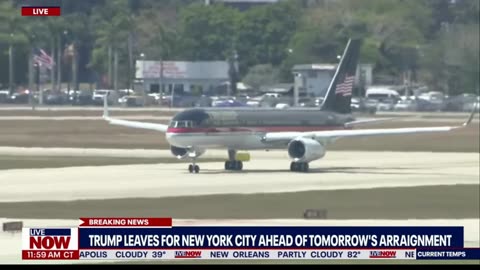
x=339 y=92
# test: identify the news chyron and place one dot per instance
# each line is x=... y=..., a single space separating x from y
x=41 y=8
x=49 y=244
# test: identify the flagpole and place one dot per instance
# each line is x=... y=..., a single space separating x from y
x=31 y=71
x=11 y=70
x=52 y=70
x=39 y=89
x=37 y=79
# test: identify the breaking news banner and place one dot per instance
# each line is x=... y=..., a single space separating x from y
x=159 y=239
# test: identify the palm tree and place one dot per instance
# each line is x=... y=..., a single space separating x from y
x=12 y=32
x=54 y=30
x=114 y=26
x=164 y=42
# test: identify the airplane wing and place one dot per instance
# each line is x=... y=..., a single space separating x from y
x=131 y=124
x=334 y=134
x=366 y=121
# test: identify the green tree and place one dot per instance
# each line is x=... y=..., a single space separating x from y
x=466 y=11
x=78 y=34
x=207 y=32
x=323 y=33
x=262 y=75
x=113 y=25
x=263 y=34
x=157 y=37
x=392 y=31
x=14 y=34
x=451 y=62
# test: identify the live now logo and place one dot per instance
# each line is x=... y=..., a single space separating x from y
x=41 y=11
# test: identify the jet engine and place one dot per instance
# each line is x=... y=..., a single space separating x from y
x=305 y=150
x=183 y=153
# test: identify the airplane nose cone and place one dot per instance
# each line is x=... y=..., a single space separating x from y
x=170 y=137
x=176 y=139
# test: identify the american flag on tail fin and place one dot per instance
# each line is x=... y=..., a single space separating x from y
x=345 y=88
x=41 y=58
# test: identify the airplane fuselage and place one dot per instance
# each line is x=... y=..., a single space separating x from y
x=243 y=129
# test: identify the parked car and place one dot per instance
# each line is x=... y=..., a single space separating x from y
x=382 y=93
x=386 y=105
x=131 y=101
x=4 y=95
x=457 y=103
x=56 y=98
x=20 y=97
x=228 y=103
x=253 y=103
x=98 y=95
x=424 y=105
x=406 y=105
x=282 y=106
x=366 y=105
x=468 y=107
x=204 y=101
x=82 y=98
x=184 y=100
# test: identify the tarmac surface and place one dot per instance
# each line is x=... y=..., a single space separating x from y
x=267 y=172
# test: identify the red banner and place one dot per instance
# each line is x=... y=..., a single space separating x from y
x=50 y=254
x=41 y=11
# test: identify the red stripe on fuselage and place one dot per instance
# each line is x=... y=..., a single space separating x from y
x=252 y=129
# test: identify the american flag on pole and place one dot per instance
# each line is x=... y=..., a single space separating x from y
x=345 y=88
x=41 y=58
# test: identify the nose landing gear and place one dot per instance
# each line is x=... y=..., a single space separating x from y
x=193 y=168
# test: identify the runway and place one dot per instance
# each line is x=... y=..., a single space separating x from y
x=267 y=172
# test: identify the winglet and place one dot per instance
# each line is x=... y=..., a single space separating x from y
x=471 y=115
x=105 y=107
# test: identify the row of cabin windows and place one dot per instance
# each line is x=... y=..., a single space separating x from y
x=190 y=124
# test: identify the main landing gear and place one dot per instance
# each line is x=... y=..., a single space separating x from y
x=231 y=164
x=299 y=167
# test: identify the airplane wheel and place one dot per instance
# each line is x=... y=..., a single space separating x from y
x=233 y=165
x=238 y=165
x=196 y=169
x=304 y=167
x=190 y=168
x=299 y=167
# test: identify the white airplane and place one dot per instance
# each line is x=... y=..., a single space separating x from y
x=305 y=134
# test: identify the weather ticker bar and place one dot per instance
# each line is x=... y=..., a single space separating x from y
x=41 y=11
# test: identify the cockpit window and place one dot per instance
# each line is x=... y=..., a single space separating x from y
x=181 y=124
